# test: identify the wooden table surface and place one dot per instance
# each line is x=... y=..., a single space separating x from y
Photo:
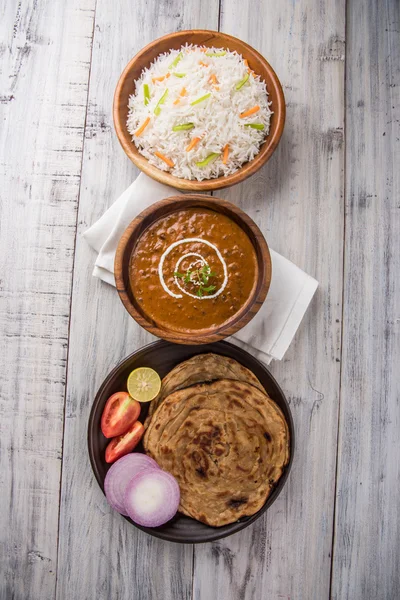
x=329 y=201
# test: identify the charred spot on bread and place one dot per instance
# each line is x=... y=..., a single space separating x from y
x=237 y=502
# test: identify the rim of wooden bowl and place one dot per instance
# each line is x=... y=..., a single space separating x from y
x=207 y=38
x=136 y=228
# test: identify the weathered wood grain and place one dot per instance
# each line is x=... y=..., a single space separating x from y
x=297 y=198
x=100 y=554
x=367 y=532
x=45 y=56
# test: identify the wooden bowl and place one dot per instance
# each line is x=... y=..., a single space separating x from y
x=163 y=357
x=199 y=37
x=169 y=205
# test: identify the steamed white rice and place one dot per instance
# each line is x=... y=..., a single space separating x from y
x=216 y=120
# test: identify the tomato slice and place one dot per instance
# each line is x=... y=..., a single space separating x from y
x=125 y=443
x=119 y=413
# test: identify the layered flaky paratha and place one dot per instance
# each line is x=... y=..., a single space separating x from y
x=198 y=369
x=227 y=444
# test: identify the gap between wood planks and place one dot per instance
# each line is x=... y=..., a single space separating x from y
x=70 y=300
x=343 y=299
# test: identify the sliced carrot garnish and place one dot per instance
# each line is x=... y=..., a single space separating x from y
x=154 y=79
x=193 y=143
x=213 y=79
x=142 y=127
x=226 y=154
x=203 y=64
x=216 y=87
x=165 y=159
x=183 y=92
x=248 y=68
x=249 y=112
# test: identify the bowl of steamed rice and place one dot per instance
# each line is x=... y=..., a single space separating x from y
x=199 y=110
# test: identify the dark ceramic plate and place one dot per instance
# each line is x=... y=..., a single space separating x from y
x=163 y=356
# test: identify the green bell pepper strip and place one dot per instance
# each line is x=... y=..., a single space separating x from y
x=259 y=126
x=183 y=127
x=146 y=94
x=215 y=54
x=161 y=101
x=241 y=83
x=176 y=60
x=200 y=99
x=207 y=160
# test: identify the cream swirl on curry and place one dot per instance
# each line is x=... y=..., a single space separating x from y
x=199 y=266
x=188 y=256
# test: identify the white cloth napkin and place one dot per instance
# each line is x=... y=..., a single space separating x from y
x=270 y=332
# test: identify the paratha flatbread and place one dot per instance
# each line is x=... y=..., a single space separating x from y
x=198 y=369
x=227 y=444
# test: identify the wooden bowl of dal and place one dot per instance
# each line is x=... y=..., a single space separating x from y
x=198 y=37
x=155 y=237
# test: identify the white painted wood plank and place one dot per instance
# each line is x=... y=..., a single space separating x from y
x=100 y=554
x=367 y=532
x=298 y=200
x=45 y=54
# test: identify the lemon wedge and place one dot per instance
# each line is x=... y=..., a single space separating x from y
x=144 y=384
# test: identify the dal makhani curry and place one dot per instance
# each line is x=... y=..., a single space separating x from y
x=193 y=269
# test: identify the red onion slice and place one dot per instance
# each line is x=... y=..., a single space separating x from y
x=152 y=498
x=120 y=474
